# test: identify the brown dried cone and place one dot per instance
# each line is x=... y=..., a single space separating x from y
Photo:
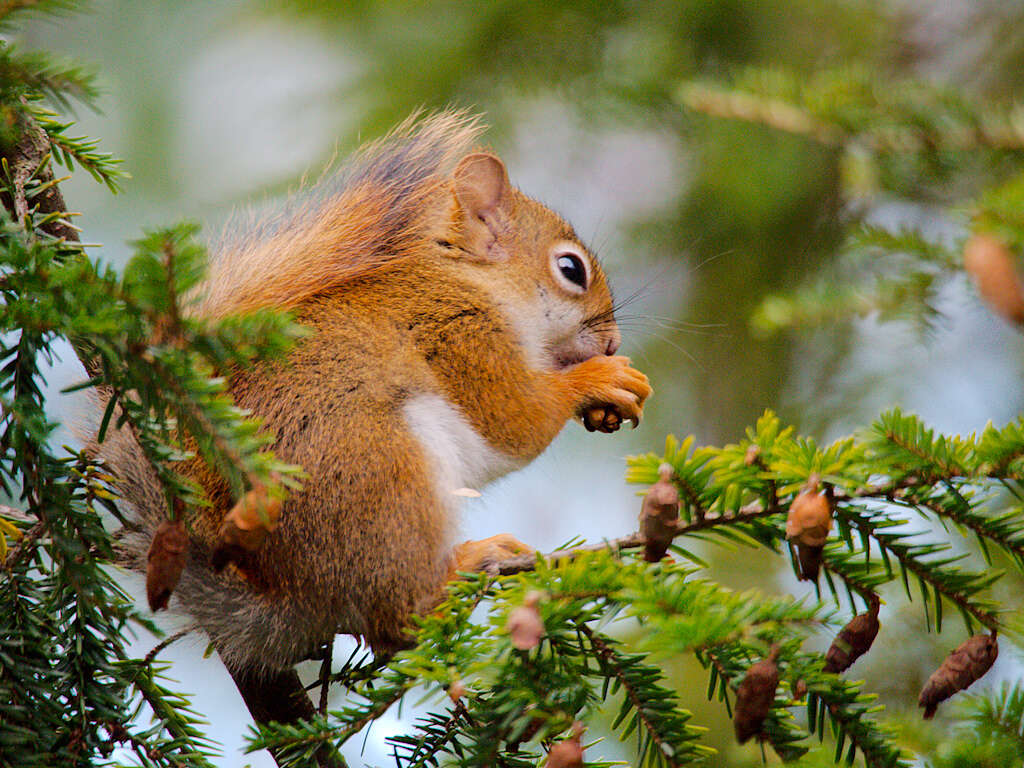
x=753 y=453
x=524 y=623
x=799 y=689
x=809 y=559
x=456 y=690
x=808 y=525
x=853 y=640
x=568 y=753
x=755 y=696
x=165 y=561
x=962 y=667
x=246 y=526
x=659 y=515
x=991 y=264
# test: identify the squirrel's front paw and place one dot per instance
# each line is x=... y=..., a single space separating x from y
x=486 y=554
x=609 y=392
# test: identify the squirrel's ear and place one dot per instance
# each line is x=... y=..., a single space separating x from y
x=480 y=185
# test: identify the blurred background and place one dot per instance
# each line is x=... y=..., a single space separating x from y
x=218 y=105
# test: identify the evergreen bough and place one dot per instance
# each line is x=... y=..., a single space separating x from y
x=70 y=694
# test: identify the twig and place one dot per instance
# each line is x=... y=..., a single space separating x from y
x=166 y=642
x=786 y=117
x=607 y=655
x=325 y=677
x=747 y=513
x=522 y=563
x=24 y=545
x=26 y=159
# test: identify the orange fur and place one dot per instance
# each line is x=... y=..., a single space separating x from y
x=375 y=212
x=425 y=287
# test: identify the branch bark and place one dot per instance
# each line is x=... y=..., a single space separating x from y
x=25 y=159
x=522 y=563
x=281 y=697
x=749 y=512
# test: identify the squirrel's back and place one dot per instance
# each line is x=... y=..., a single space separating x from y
x=374 y=210
x=457 y=325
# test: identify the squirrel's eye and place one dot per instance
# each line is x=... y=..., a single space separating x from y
x=572 y=268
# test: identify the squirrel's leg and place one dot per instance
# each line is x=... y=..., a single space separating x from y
x=485 y=554
x=469 y=556
x=475 y=556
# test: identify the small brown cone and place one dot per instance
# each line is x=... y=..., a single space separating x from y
x=991 y=264
x=809 y=559
x=164 y=563
x=659 y=515
x=752 y=455
x=456 y=690
x=808 y=526
x=962 y=667
x=853 y=640
x=524 y=623
x=246 y=525
x=755 y=696
x=568 y=753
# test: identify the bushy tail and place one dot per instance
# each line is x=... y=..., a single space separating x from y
x=375 y=209
x=250 y=631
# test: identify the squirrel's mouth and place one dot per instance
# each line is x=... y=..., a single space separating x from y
x=579 y=350
x=567 y=361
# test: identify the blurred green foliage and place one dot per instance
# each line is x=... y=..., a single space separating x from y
x=757 y=207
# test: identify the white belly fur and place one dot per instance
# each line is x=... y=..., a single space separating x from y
x=461 y=458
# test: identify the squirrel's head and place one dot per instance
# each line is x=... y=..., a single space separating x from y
x=532 y=264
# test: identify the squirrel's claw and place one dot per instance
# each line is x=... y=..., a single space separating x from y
x=611 y=392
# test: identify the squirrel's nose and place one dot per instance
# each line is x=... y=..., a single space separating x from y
x=613 y=345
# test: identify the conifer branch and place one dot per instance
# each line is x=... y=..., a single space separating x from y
x=29 y=165
x=1002 y=530
x=960 y=588
x=828 y=697
x=102 y=166
x=999 y=715
x=890 y=119
x=711 y=520
x=25 y=545
x=174 y=714
x=523 y=563
x=653 y=706
x=439 y=732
